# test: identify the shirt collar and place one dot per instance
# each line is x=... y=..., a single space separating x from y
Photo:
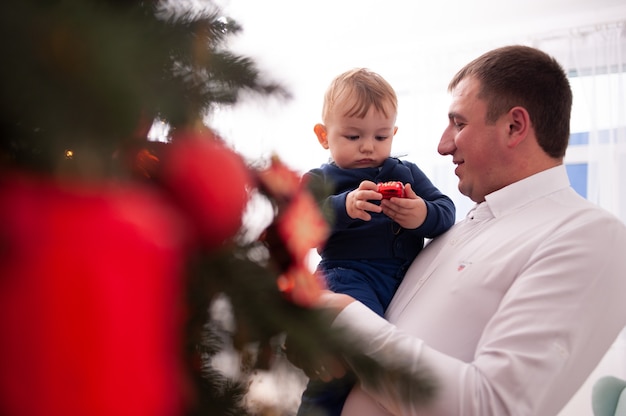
x=527 y=190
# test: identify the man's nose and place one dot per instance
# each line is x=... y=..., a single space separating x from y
x=446 y=143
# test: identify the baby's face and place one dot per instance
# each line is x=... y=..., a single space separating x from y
x=360 y=142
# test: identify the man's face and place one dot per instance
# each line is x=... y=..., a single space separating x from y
x=475 y=146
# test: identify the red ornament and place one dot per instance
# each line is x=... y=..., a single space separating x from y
x=209 y=182
x=300 y=286
x=391 y=189
x=145 y=163
x=90 y=301
x=279 y=181
x=298 y=227
x=301 y=226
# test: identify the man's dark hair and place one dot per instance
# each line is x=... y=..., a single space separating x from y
x=523 y=76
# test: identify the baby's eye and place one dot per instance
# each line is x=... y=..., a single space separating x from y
x=352 y=137
x=381 y=138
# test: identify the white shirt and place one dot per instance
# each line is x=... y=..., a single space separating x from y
x=510 y=310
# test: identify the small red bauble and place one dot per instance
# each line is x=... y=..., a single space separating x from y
x=209 y=182
x=391 y=189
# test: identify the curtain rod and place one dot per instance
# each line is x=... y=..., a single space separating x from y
x=581 y=30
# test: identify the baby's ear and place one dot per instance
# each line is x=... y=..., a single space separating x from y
x=320 y=132
x=395 y=130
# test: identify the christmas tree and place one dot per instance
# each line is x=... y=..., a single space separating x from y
x=115 y=248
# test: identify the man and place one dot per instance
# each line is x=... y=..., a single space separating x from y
x=513 y=307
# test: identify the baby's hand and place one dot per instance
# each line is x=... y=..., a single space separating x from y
x=409 y=212
x=357 y=201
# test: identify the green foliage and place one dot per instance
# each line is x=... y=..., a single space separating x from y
x=88 y=75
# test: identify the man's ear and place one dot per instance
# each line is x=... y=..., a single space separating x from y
x=519 y=125
x=320 y=132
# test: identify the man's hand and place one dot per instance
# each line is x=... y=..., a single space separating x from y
x=358 y=201
x=333 y=302
x=409 y=212
x=326 y=367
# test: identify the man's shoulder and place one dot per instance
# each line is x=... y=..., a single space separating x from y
x=573 y=212
x=599 y=216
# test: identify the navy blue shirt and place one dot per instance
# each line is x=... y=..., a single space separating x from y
x=381 y=237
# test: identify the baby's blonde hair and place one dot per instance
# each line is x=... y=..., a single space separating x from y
x=364 y=89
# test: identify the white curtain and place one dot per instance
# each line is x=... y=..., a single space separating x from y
x=595 y=58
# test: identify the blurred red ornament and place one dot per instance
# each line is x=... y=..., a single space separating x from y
x=146 y=163
x=298 y=228
x=279 y=181
x=300 y=286
x=90 y=301
x=209 y=182
x=302 y=226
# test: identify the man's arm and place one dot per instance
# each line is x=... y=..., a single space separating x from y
x=551 y=328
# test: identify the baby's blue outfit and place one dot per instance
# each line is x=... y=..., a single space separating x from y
x=368 y=259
